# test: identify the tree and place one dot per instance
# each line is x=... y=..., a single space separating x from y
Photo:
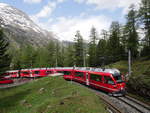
x=144 y=15
x=27 y=58
x=101 y=52
x=79 y=50
x=16 y=58
x=42 y=57
x=4 y=56
x=92 y=48
x=131 y=33
x=59 y=54
x=69 y=59
x=51 y=47
x=114 y=47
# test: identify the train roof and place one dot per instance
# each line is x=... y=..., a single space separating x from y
x=105 y=70
x=113 y=71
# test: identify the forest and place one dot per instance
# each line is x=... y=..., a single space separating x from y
x=105 y=48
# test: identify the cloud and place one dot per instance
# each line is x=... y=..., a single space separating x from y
x=32 y=1
x=110 y=4
x=66 y=27
x=60 y=1
x=46 y=11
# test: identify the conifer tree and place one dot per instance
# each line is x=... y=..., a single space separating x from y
x=27 y=58
x=51 y=47
x=69 y=59
x=144 y=15
x=101 y=52
x=114 y=48
x=78 y=49
x=41 y=58
x=16 y=59
x=131 y=33
x=92 y=48
x=4 y=56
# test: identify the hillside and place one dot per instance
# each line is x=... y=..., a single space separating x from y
x=50 y=95
x=139 y=81
x=20 y=29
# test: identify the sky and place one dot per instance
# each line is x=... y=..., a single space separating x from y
x=65 y=17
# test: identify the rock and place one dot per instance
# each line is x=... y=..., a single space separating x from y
x=23 y=102
x=41 y=90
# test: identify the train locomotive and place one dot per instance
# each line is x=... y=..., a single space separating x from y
x=108 y=80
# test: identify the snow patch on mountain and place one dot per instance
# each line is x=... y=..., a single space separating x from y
x=19 y=24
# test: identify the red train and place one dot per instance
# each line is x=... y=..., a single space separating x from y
x=37 y=72
x=109 y=80
x=5 y=80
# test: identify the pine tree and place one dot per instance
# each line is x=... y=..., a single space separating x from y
x=4 y=56
x=92 y=48
x=61 y=57
x=69 y=60
x=101 y=52
x=144 y=15
x=51 y=47
x=41 y=58
x=101 y=49
x=114 y=48
x=27 y=56
x=59 y=54
x=78 y=49
x=16 y=59
x=131 y=33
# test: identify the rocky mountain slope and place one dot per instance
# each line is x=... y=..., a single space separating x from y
x=20 y=29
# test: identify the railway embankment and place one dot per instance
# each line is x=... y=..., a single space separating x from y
x=139 y=81
x=50 y=95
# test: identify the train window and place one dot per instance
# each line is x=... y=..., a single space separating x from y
x=36 y=72
x=60 y=72
x=108 y=80
x=25 y=72
x=79 y=74
x=67 y=72
x=48 y=72
x=95 y=77
x=118 y=79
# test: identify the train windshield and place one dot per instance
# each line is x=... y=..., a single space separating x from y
x=118 y=77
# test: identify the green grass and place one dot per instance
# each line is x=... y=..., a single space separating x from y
x=50 y=95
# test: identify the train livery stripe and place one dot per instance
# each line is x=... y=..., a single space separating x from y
x=97 y=85
x=104 y=87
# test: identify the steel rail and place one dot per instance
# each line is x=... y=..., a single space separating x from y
x=111 y=106
x=122 y=99
x=146 y=106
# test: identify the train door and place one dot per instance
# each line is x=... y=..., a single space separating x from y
x=96 y=80
x=87 y=79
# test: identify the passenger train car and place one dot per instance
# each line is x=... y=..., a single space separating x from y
x=109 y=80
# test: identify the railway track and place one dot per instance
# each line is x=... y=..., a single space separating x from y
x=134 y=104
x=125 y=104
x=146 y=106
x=111 y=108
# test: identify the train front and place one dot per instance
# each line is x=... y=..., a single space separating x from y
x=119 y=84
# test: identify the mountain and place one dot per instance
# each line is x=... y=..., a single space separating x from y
x=20 y=29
